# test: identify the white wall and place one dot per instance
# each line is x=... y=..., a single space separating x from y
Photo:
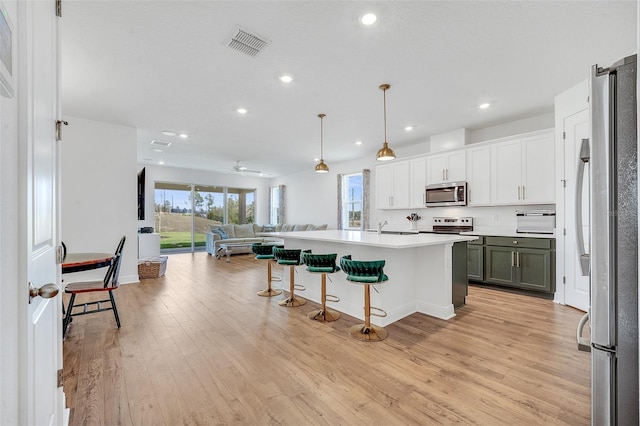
x=154 y=173
x=99 y=197
x=313 y=197
x=525 y=125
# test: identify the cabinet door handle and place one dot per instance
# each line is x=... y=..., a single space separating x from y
x=523 y=192
x=446 y=173
x=390 y=200
x=513 y=258
x=443 y=178
x=518 y=192
x=469 y=196
x=517 y=259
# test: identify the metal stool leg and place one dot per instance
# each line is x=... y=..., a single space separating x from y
x=292 y=301
x=323 y=314
x=367 y=331
x=268 y=292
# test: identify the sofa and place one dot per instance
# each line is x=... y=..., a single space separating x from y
x=249 y=233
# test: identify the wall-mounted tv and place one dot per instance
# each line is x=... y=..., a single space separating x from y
x=141 y=194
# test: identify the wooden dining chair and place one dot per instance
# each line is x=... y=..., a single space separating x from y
x=108 y=284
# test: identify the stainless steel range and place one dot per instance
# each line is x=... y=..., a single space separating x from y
x=451 y=225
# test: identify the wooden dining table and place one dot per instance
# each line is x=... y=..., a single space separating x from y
x=78 y=262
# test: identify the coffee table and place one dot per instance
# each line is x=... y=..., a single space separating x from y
x=227 y=249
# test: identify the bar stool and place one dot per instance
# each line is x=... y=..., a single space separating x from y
x=265 y=252
x=291 y=258
x=366 y=273
x=323 y=264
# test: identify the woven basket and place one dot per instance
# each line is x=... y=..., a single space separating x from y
x=152 y=267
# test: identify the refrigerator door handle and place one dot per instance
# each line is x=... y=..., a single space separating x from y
x=584 y=344
x=583 y=256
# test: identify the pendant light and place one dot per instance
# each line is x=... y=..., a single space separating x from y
x=385 y=153
x=321 y=167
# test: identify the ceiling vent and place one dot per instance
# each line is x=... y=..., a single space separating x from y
x=163 y=144
x=245 y=42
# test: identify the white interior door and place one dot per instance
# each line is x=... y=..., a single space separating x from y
x=576 y=128
x=42 y=338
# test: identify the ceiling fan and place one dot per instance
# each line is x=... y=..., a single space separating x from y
x=242 y=169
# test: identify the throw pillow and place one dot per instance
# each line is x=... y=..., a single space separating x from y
x=219 y=231
x=269 y=228
x=229 y=229
x=244 y=231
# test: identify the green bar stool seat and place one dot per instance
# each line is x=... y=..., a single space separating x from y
x=291 y=258
x=366 y=273
x=323 y=264
x=265 y=252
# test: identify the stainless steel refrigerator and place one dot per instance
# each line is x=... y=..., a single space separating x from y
x=613 y=262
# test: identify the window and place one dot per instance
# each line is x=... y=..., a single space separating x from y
x=240 y=205
x=352 y=201
x=184 y=212
x=274 y=205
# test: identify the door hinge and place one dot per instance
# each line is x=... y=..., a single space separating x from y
x=564 y=231
x=59 y=8
x=564 y=135
x=59 y=124
x=564 y=280
x=59 y=255
x=60 y=378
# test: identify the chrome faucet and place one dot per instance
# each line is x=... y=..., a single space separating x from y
x=381 y=225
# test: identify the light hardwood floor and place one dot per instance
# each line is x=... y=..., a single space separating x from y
x=199 y=347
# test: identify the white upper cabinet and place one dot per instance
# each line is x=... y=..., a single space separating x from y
x=523 y=171
x=392 y=185
x=479 y=176
x=448 y=167
x=418 y=178
x=538 y=172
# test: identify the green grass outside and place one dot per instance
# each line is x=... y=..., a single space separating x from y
x=180 y=240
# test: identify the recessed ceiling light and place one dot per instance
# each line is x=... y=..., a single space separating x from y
x=184 y=135
x=369 y=19
x=157 y=149
x=358 y=142
x=484 y=106
x=242 y=110
x=316 y=159
x=161 y=162
x=409 y=128
x=168 y=133
x=286 y=78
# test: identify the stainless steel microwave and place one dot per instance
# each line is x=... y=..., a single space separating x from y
x=446 y=194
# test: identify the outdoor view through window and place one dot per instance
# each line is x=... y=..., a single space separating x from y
x=183 y=212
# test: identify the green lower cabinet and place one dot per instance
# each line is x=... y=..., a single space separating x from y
x=535 y=269
x=499 y=265
x=520 y=267
x=475 y=262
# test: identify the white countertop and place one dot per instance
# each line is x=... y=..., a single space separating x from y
x=373 y=239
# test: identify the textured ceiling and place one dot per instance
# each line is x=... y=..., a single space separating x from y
x=163 y=65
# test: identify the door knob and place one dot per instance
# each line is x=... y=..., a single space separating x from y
x=47 y=291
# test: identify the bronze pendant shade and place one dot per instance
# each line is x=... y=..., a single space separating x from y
x=385 y=153
x=321 y=167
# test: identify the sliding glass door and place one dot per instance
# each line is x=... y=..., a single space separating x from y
x=184 y=213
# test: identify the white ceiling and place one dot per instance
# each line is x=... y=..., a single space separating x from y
x=163 y=65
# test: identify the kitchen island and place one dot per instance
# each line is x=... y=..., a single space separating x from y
x=420 y=269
